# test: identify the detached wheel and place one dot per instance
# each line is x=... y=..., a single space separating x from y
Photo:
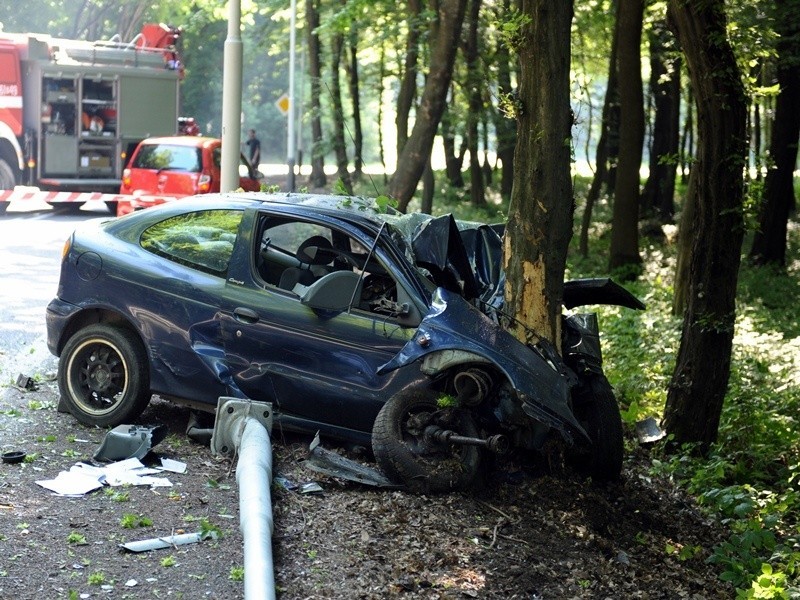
x=103 y=376
x=597 y=411
x=406 y=455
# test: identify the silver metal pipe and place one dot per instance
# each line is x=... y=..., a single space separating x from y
x=242 y=428
x=254 y=474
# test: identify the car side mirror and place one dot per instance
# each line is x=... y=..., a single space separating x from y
x=335 y=291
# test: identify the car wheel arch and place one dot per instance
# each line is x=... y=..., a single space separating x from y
x=94 y=316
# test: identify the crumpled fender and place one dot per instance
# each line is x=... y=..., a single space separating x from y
x=454 y=324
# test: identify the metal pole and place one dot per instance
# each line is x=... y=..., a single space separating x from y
x=231 y=100
x=242 y=427
x=290 y=143
x=254 y=475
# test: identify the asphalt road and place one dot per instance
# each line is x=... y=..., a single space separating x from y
x=32 y=236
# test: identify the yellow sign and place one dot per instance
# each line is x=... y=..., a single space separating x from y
x=283 y=104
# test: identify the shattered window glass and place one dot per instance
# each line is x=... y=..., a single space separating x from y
x=203 y=240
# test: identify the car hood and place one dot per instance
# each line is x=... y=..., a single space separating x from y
x=461 y=256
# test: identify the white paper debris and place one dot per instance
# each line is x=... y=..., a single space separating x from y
x=69 y=483
x=174 y=466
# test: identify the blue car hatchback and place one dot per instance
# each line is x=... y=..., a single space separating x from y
x=353 y=320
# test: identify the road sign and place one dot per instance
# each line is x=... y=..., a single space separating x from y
x=283 y=104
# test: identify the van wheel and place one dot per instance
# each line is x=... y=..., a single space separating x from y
x=103 y=376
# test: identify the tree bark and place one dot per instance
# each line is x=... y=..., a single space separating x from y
x=416 y=151
x=665 y=87
x=624 y=251
x=700 y=379
x=770 y=240
x=540 y=214
x=318 y=177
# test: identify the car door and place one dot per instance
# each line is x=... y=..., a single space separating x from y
x=318 y=366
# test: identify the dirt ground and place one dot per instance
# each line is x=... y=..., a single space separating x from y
x=525 y=535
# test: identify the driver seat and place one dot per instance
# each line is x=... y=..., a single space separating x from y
x=314 y=255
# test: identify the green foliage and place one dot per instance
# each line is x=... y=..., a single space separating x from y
x=511 y=28
x=131 y=521
x=750 y=480
x=236 y=574
x=76 y=538
x=168 y=561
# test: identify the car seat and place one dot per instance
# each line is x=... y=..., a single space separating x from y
x=314 y=254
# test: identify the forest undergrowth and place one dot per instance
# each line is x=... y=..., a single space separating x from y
x=750 y=480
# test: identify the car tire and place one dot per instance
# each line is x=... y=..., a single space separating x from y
x=423 y=465
x=597 y=411
x=103 y=376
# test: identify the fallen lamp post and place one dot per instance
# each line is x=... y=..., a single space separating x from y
x=242 y=428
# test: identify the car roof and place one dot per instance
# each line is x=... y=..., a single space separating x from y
x=182 y=140
x=360 y=210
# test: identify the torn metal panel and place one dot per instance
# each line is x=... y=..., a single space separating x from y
x=327 y=462
x=454 y=324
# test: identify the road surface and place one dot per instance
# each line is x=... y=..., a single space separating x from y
x=31 y=239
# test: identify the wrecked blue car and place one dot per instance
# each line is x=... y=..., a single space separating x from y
x=364 y=324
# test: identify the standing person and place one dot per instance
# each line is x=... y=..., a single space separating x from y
x=254 y=146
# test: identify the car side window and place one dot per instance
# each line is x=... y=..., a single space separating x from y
x=203 y=240
x=294 y=256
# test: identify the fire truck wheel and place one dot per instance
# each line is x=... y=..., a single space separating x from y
x=7 y=179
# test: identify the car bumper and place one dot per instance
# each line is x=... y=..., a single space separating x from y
x=57 y=316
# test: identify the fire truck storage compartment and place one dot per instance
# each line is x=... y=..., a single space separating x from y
x=79 y=124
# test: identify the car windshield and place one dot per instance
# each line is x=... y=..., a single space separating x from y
x=168 y=157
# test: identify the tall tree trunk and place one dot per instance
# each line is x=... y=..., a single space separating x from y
x=769 y=243
x=318 y=177
x=700 y=379
x=355 y=97
x=624 y=250
x=339 y=145
x=540 y=214
x=505 y=127
x=428 y=190
x=416 y=151
x=379 y=119
x=452 y=161
x=607 y=150
x=474 y=89
x=665 y=87
x=408 y=82
x=686 y=233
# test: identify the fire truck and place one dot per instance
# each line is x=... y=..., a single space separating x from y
x=71 y=111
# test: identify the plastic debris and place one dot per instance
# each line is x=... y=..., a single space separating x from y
x=169 y=541
x=129 y=441
x=26 y=383
x=648 y=431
